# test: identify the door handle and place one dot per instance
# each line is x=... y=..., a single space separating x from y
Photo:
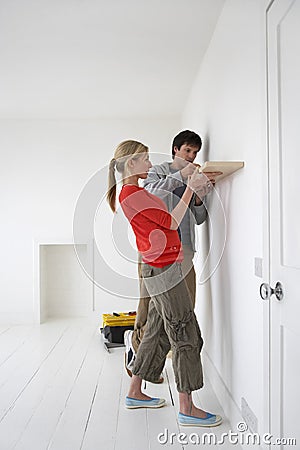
x=266 y=291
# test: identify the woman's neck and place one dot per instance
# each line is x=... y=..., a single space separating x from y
x=133 y=179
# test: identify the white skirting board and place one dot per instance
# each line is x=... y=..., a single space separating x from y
x=231 y=410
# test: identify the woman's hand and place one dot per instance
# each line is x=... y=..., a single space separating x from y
x=199 y=183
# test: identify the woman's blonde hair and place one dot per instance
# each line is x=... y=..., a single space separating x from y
x=123 y=153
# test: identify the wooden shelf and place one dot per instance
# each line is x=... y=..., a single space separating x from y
x=226 y=167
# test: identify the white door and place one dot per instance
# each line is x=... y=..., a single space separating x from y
x=283 y=39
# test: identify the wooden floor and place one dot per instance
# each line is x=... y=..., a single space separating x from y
x=61 y=390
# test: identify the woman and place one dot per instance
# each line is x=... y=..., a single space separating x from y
x=171 y=319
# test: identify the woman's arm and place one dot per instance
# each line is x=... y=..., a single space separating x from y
x=180 y=209
x=150 y=206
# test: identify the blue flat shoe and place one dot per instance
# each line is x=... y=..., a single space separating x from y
x=211 y=420
x=151 y=403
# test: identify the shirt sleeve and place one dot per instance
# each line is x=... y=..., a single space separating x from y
x=199 y=211
x=160 y=184
x=149 y=206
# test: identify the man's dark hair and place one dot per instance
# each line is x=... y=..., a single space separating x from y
x=186 y=137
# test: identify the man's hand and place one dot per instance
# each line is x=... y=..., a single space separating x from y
x=212 y=175
x=188 y=170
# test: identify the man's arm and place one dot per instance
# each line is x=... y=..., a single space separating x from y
x=199 y=211
x=161 y=183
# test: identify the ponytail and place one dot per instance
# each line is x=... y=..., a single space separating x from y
x=111 y=192
x=124 y=151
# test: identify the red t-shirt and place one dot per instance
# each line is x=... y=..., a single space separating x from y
x=151 y=221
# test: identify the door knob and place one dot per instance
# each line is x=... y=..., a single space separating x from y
x=266 y=291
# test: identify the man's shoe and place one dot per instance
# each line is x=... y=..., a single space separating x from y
x=153 y=402
x=129 y=352
x=211 y=420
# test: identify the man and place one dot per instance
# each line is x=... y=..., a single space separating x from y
x=166 y=181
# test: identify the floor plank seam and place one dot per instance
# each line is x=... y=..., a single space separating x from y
x=120 y=405
x=4 y=331
x=30 y=380
x=147 y=428
x=169 y=386
x=69 y=395
x=89 y=415
x=93 y=401
x=15 y=349
x=44 y=394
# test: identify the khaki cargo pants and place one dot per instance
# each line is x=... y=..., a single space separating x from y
x=143 y=305
x=171 y=323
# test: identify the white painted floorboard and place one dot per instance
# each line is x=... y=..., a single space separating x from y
x=61 y=390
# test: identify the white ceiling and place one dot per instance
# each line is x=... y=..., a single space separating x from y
x=101 y=58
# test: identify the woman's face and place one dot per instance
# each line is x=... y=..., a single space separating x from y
x=141 y=165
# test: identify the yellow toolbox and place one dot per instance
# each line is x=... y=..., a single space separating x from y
x=115 y=324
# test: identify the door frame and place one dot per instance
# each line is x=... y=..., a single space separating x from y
x=267 y=241
x=266 y=238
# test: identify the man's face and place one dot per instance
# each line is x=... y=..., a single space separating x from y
x=187 y=152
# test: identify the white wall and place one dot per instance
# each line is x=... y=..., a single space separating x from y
x=44 y=167
x=227 y=106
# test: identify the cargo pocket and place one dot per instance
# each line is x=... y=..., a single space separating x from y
x=147 y=271
x=181 y=332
